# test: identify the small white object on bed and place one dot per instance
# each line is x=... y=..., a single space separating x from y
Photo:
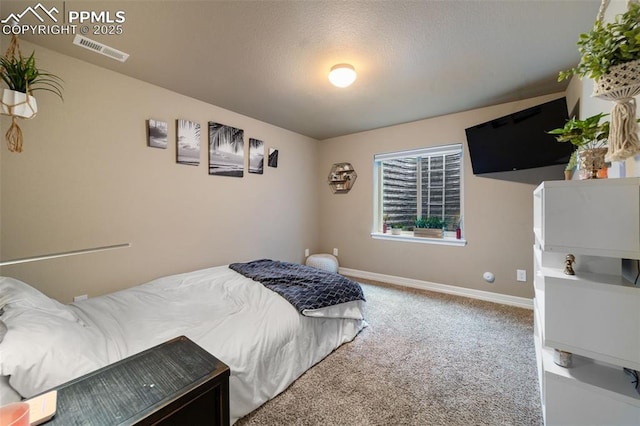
x=265 y=342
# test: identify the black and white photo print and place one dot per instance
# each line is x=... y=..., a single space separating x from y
x=256 y=156
x=273 y=157
x=157 y=133
x=226 y=150
x=188 y=143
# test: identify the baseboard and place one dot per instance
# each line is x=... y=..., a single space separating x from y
x=521 y=302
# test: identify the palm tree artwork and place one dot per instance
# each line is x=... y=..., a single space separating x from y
x=188 y=143
x=256 y=156
x=226 y=150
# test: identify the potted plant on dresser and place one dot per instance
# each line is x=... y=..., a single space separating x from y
x=589 y=136
x=428 y=227
x=610 y=55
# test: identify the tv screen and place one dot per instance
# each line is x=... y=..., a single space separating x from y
x=519 y=141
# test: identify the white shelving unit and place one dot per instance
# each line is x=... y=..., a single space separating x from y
x=594 y=314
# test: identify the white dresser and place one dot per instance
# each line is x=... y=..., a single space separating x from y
x=594 y=314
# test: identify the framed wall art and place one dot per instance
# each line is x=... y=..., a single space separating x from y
x=256 y=156
x=157 y=133
x=273 y=157
x=226 y=150
x=188 y=142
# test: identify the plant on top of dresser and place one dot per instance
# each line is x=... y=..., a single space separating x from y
x=610 y=55
x=589 y=136
x=429 y=227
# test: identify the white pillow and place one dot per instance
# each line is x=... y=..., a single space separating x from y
x=43 y=349
x=18 y=294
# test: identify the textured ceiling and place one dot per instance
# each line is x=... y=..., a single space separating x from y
x=269 y=59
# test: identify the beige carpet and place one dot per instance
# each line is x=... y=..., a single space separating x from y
x=425 y=359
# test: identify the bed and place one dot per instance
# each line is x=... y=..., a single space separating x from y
x=251 y=326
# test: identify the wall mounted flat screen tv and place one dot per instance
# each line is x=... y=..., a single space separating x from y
x=519 y=141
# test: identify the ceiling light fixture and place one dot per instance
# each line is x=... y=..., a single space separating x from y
x=342 y=75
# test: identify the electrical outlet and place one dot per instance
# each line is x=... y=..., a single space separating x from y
x=521 y=275
x=335 y=251
x=306 y=252
x=81 y=297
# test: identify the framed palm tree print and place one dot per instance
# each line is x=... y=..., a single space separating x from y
x=188 y=143
x=226 y=150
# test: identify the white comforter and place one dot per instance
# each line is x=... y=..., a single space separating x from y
x=265 y=342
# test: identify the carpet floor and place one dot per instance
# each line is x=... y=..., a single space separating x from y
x=425 y=359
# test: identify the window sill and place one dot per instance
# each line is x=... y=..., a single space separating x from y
x=409 y=238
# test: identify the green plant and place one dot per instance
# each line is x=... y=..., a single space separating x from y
x=22 y=75
x=608 y=44
x=433 y=222
x=584 y=134
x=397 y=226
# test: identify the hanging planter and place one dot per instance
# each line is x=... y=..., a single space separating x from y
x=611 y=57
x=620 y=84
x=22 y=78
x=18 y=104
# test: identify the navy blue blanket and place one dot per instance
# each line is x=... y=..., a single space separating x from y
x=302 y=286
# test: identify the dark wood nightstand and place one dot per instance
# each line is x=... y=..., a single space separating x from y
x=175 y=383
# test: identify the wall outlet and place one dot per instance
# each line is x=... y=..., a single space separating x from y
x=521 y=275
x=335 y=251
x=81 y=297
x=306 y=252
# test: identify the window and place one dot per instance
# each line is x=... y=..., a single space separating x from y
x=419 y=184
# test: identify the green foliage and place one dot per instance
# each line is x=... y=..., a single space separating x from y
x=608 y=44
x=433 y=222
x=22 y=75
x=587 y=133
x=397 y=226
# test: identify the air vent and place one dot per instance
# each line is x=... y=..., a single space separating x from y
x=100 y=48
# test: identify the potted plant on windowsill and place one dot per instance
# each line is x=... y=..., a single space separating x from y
x=589 y=136
x=428 y=227
x=22 y=78
x=396 y=229
x=610 y=55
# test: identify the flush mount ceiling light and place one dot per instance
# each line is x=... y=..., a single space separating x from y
x=342 y=75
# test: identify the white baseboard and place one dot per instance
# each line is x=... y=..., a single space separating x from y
x=521 y=302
